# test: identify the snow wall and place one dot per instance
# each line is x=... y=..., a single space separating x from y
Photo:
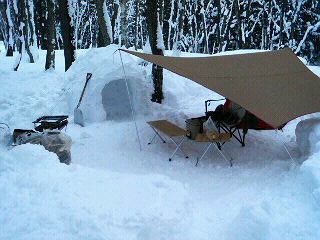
x=308 y=140
x=106 y=96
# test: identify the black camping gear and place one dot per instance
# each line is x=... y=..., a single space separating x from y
x=50 y=123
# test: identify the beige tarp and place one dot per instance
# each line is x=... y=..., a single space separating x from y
x=275 y=85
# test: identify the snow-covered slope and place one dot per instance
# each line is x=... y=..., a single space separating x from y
x=114 y=191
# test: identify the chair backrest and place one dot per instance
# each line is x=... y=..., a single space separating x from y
x=249 y=120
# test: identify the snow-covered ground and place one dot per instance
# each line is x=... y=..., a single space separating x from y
x=112 y=190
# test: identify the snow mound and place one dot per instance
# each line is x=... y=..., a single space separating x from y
x=311 y=171
x=2 y=47
x=308 y=140
x=250 y=223
x=5 y=136
x=308 y=136
x=41 y=197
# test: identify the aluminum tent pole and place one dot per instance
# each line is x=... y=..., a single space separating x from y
x=130 y=101
x=285 y=147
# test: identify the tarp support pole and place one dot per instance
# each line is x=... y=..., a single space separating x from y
x=130 y=101
x=285 y=147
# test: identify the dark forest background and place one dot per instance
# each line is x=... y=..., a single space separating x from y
x=201 y=26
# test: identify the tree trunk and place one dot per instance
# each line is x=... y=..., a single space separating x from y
x=50 y=59
x=20 y=45
x=226 y=28
x=270 y=26
x=124 y=24
x=10 y=42
x=283 y=9
x=103 y=36
x=182 y=14
x=20 y=41
x=114 y=16
x=67 y=36
x=167 y=25
x=32 y=39
x=24 y=18
x=157 y=71
x=9 y=51
x=5 y=8
x=137 y=20
x=40 y=23
x=217 y=40
x=204 y=28
x=239 y=24
x=264 y=33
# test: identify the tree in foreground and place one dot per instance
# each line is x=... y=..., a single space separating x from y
x=103 y=35
x=67 y=36
x=156 y=42
x=50 y=59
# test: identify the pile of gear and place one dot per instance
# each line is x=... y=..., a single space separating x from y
x=47 y=133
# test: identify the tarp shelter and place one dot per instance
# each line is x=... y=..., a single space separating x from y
x=274 y=85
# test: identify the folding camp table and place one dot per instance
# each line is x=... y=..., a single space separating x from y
x=213 y=141
x=172 y=131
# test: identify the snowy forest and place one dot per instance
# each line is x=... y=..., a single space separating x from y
x=221 y=142
x=201 y=26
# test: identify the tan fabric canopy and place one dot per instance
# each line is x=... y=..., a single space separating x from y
x=275 y=85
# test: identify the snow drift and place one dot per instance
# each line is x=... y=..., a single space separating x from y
x=308 y=140
x=42 y=198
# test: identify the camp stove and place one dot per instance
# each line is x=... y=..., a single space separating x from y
x=50 y=123
x=48 y=134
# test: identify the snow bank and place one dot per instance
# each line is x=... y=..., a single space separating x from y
x=2 y=47
x=30 y=92
x=41 y=197
x=308 y=140
x=5 y=135
x=252 y=223
x=311 y=171
x=308 y=136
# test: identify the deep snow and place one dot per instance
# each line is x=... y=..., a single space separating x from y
x=114 y=191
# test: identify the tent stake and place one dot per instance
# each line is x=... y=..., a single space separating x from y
x=130 y=101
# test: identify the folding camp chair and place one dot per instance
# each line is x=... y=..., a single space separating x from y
x=226 y=123
x=216 y=138
x=237 y=128
x=172 y=131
